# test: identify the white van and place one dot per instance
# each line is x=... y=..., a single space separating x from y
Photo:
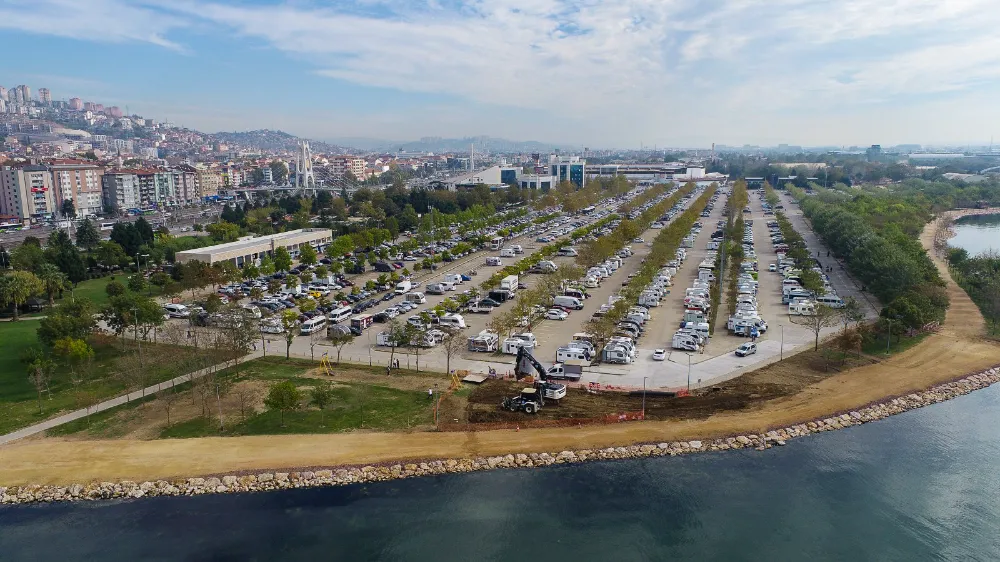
x=493 y=261
x=507 y=253
x=517 y=249
x=833 y=301
x=313 y=325
x=452 y=321
x=338 y=315
x=176 y=310
x=415 y=298
x=568 y=302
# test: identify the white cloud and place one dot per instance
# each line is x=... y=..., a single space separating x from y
x=642 y=68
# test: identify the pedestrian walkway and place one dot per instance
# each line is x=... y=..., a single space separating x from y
x=117 y=401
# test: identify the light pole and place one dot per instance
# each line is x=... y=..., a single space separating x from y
x=689 y=373
x=644 y=397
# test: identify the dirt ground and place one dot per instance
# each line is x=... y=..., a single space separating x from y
x=956 y=350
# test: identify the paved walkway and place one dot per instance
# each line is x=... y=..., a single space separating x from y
x=117 y=401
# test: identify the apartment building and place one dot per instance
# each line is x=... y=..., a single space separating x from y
x=186 y=184
x=26 y=192
x=340 y=165
x=120 y=189
x=79 y=181
x=209 y=182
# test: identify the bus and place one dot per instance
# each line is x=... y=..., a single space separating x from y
x=108 y=225
x=496 y=243
x=588 y=210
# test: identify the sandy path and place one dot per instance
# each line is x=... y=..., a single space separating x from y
x=958 y=349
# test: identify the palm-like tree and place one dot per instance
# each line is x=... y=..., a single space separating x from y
x=17 y=287
x=52 y=280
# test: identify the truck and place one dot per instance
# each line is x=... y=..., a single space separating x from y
x=403 y=287
x=525 y=365
x=509 y=283
x=480 y=308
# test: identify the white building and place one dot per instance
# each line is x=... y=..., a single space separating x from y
x=251 y=250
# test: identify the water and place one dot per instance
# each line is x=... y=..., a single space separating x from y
x=977 y=234
x=920 y=486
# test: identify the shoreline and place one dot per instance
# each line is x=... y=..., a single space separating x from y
x=314 y=477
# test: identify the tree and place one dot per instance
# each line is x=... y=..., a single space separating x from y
x=53 y=281
x=125 y=235
x=282 y=259
x=17 y=287
x=75 y=354
x=145 y=230
x=289 y=321
x=63 y=254
x=247 y=394
x=87 y=236
x=250 y=272
x=73 y=320
x=292 y=281
x=339 y=340
x=114 y=288
x=453 y=344
x=321 y=396
x=27 y=257
x=305 y=277
x=307 y=255
x=824 y=317
x=322 y=272
x=266 y=266
x=137 y=283
x=223 y=231
x=812 y=281
x=68 y=209
x=283 y=396
x=166 y=398
x=851 y=312
x=110 y=255
x=131 y=310
x=39 y=375
x=273 y=285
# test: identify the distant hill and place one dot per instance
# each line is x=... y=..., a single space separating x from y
x=439 y=144
x=266 y=139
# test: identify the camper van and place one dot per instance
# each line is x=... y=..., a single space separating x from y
x=494 y=261
x=415 y=298
x=454 y=279
x=693 y=316
x=568 y=302
x=453 y=321
x=517 y=249
x=507 y=253
x=616 y=354
x=833 y=301
x=511 y=345
x=312 y=325
x=435 y=289
x=801 y=308
x=576 y=293
x=567 y=353
x=685 y=341
x=700 y=328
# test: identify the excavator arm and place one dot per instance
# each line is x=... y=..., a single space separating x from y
x=525 y=363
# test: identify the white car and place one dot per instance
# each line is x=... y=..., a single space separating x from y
x=772 y=267
x=746 y=349
x=659 y=354
x=556 y=314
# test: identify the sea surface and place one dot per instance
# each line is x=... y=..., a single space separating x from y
x=924 y=485
x=977 y=234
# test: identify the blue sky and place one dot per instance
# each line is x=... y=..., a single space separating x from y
x=588 y=72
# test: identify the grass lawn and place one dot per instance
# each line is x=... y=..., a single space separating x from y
x=94 y=289
x=354 y=406
x=19 y=404
x=899 y=344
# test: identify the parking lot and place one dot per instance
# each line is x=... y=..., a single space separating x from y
x=714 y=363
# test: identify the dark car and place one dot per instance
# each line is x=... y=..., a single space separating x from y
x=489 y=302
x=325 y=261
x=388 y=297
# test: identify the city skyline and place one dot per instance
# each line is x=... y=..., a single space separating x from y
x=601 y=74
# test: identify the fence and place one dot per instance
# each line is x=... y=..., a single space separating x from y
x=528 y=423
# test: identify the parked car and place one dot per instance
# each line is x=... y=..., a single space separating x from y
x=556 y=314
x=746 y=349
x=659 y=354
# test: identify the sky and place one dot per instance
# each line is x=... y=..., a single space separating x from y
x=603 y=74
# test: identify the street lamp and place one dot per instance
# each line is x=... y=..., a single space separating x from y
x=644 y=397
x=689 y=373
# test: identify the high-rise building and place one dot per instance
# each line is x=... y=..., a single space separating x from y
x=3 y=106
x=44 y=96
x=76 y=104
x=186 y=184
x=23 y=94
x=79 y=181
x=874 y=153
x=3 y=93
x=340 y=165
x=208 y=182
x=87 y=105
x=26 y=192
x=568 y=168
x=120 y=190
x=115 y=112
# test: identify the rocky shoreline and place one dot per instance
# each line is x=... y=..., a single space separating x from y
x=364 y=474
